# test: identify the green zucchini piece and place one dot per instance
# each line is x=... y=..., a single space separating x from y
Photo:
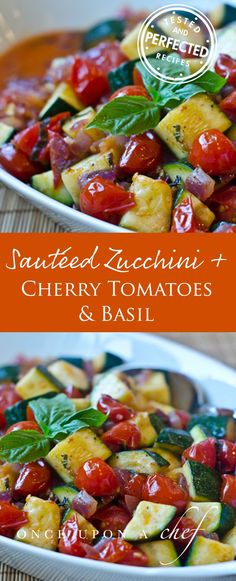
x=6 y=133
x=231 y=133
x=147 y=431
x=161 y=554
x=203 y=482
x=106 y=361
x=204 y=215
x=63 y=100
x=207 y=552
x=17 y=412
x=178 y=171
x=76 y=361
x=156 y=422
x=44 y=183
x=217 y=426
x=65 y=494
x=139 y=461
x=38 y=381
x=199 y=433
x=222 y=15
x=68 y=374
x=174 y=440
x=149 y=520
x=122 y=76
x=213 y=516
x=108 y=29
x=9 y=373
x=114 y=384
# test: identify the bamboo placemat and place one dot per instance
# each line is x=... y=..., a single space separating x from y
x=17 y=215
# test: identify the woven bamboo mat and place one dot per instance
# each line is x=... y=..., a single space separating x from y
x=16 y=215
x=219 y=345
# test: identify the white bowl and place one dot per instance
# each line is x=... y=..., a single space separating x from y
x=215 y=378
x=19 y=19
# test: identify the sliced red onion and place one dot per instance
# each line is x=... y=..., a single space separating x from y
x=109 y=175
x=131 y=502
x=5 y=496
x=200 y=184
x=85 y=504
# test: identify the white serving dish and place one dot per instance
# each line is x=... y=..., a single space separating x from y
x=22 y=18
x=218 y=382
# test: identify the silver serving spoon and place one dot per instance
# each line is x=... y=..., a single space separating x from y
x=186 y=393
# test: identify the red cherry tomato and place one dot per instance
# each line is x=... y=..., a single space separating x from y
x=24 y=426
x=131 y=91
x=184 y=219
x=119 y=551
x=116 y=411
x=223 y=204
x=70 y=539
x=97 y=478
x=106 y=55
x=137 y=78
x=142 y=154
x=160 y=488
x=89 y=81
x=27 y=139
x=228 y=490
x=134 y=487
x=181 y=531
x=72 y=392
x=30 y=414
x=226 y=67
x=214 y=152
x=228 y=104
x=227 y=456
x=11 y=519
x=8 y=397
x=125 y=435
x=203 y=452
x=17 y=163
x=105 y=200
x=111 y=518
x=34 y=478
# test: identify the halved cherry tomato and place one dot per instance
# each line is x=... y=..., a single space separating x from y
x=142 y=154
x=27 y=139
x=97 y=478
x=134 y=487
x=227 y=456
x=11 y=519
x=124 y=435
x=214 y=152
x=228 y=104
x=89 y=81
x=72 y=392
x=226 y=67
x=105 y=200
x=24 y=426
x=18 y=164
x=70 y=542
x=111 y=518
x=34 y=478
x=181 y=531
x=8 y=397
x=223 y=204
x=119 y=551
x=203 y=452
x=116 y=411
x=160 y=488
x=106 y=55
x=30 y=414
x=184 y=219
x=131 y=91
x=228 y=490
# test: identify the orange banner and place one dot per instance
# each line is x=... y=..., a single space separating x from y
x=102 y=282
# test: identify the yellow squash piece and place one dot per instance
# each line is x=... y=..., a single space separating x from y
x=207 y=552
x=34 y=383
x=67 y=456
x=179 y=128
x=129 y=45
x=148 y=434
x=230 y=539
x=115 y=385
x=155 y=388
x=42 y=530
x=80 y=403
x=153 y=205
x=7 y=477
x=68 y=375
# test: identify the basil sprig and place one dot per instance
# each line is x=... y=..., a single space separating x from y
x=57 y=419
x=135 y=115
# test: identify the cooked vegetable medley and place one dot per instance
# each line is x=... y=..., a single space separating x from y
x=98 y=133
x=102 y=466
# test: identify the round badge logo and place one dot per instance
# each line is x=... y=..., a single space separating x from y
x=177 y=44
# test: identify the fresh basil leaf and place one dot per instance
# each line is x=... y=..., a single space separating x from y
x=23 y=446
x=68 y=426
x=50 y=412
x=156 y=86
x=94 y=418
x=17 y=412
x=127 y=116
x=211 y=82
x=172 y=97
